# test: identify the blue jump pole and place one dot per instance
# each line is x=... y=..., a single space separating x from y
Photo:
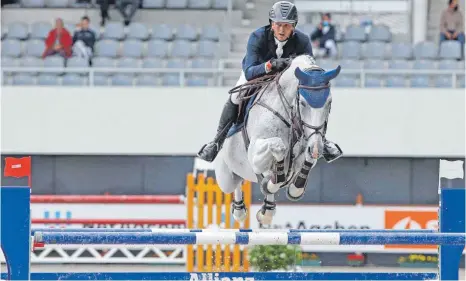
x=246 y=238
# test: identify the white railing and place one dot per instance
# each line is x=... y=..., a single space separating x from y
x=109 y=254
x=219 y=73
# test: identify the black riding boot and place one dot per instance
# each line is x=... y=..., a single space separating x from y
x=209 y=151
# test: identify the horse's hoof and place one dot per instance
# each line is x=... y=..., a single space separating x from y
x=295 y=194
x=267 y=187
x=240 y=215
x=264 y=218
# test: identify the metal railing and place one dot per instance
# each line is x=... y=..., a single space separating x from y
x=217 y=74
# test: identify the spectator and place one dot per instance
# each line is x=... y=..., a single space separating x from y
x=58 y=41
x=84 y=40
x=325 y=33
x=452 y=23
x=103 y=11
x=127 y=9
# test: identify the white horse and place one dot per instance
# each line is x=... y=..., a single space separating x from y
x=282 y=137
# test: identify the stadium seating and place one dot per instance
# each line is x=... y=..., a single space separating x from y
x=146 y=46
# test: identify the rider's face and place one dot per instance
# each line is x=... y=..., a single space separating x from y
x=282 y=30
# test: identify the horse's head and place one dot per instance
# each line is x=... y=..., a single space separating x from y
x=313 y=101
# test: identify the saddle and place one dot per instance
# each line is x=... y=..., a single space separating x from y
x=248 y=93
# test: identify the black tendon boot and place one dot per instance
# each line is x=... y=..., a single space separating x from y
x=332 y=151
x=209 y=151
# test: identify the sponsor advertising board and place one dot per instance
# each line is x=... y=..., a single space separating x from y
x=287 y=216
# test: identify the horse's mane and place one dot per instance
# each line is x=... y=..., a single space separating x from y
x=304 y=62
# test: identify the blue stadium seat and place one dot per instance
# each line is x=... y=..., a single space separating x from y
x=170 y=79
x=157 y=49
x=220 y=4
x=114 y=30
x=210 y=32
x=106 y=48
x=374 y=64
x=31 y=62
x=32 y=3
x=9 y=62
x=34 y=48
x=307 y=28
x=152 y=63
x=48 y=79
x=380 y=33
x=54 y=61
x=449 y=64
x=11 y=48
x=18 y=30
x=177 y=4
x=373 y=81
x=399 y=64
x=420 y=81
x=425 y=50
x=57 y=3
x=202 y=63
x=147 y=80
x=186 y=32
x=40 y=30
x=71 y=79
x=197 y=81
x=100 y=80
x=395 y=81
x=176 y=63
x=350 y=50
x=162 y=31
x=77 y=62
x=199 y=4
x=103 y=62
x=153 y=4
x=346 y=81
x=351 y=64
x=181 y=49
x=424 y=64
x=132 y=48
x=137 y=30
x=207 y=49
x=121 y=79
x=128 y=63
x=374 y=50
x=355 y=33
x=401 y=50
x=23 y=79
x=443 y=81
x=450 y=49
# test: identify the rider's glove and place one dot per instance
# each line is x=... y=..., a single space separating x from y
x=279 y=64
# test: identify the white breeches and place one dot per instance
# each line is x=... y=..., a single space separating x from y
x=81 y=50
x=241 y=80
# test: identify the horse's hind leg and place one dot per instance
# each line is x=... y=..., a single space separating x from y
x=267 y=156
x=230 y=182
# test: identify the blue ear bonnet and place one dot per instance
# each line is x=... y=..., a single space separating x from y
x=319 y=79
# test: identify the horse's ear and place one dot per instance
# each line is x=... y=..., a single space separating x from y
x=331 y=74
x=301 y=75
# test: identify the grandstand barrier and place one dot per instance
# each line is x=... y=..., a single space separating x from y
x=16 y=242
x=219 y=72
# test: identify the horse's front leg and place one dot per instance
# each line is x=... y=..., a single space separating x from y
x=295 y=191
x=267 y=156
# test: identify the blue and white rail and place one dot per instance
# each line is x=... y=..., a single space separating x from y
x=251 y=238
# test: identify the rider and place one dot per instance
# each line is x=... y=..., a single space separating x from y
x=269 y=50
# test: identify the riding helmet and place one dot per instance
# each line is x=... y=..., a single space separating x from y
x=284 y=11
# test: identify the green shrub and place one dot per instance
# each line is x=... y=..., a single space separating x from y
x=275 y=257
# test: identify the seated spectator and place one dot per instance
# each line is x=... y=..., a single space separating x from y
x=84 y=40
x=452 y=23
x=325 y=34
x=58 y=41
x=127 y=9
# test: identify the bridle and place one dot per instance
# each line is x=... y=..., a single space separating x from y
x=292 y=118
